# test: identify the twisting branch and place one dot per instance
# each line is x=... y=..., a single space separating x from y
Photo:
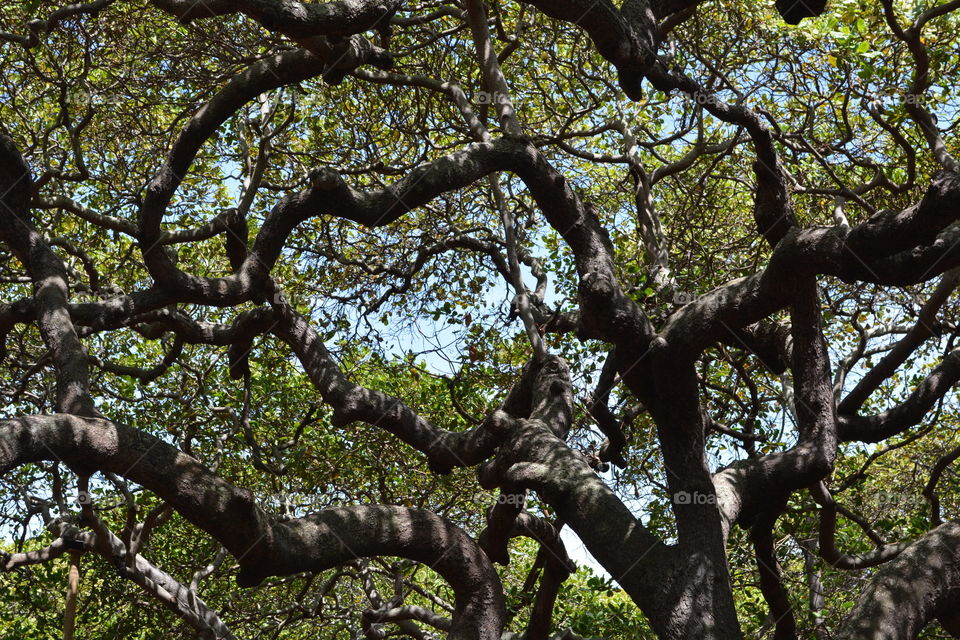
x=264 y=547
x=827 y=543
x=930 y=490
x=352 y=402
x=925 y=327
x=771 y=581
x=910 y=591
x=557 y=568
x=522 y=297
x=913 y=100
x=493 y=78
x=598 y=405
x=297 y=19
x=51 y=288
x=908 y=413
x=627 y=37
x=39 y=28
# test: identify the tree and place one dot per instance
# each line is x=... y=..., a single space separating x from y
x=359 y=304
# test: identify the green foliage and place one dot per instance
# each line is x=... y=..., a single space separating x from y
x=437 y=329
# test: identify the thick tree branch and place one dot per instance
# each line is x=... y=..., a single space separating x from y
x=924 y=329
x=294 y=19
x=908 y=413
x=352 y=402
x=904 y=247
x=49 y=276
x=627 y=37
x=910 y=591
x=264 y=547
x=39 y=28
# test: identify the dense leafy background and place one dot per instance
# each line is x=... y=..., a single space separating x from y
x=97 y=105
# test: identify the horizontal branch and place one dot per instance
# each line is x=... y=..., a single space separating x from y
x=352 y=402
x=263 y=546
x=900 y=248
x=908 y=413
x=294 y=19
x=924 y=328
x=827 y=539
x=627 y=36
x=534 y=456
x=41 y=27
x=907 y=593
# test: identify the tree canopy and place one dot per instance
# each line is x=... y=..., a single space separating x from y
x=343 y=319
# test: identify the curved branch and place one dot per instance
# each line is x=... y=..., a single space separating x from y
x=910 y=591
x=352 y=402
x=598 y=406
x=771 y=582
x=264 y=547
x=744 y=488
x=294 y=19
x=924 y=328
x=42 y=27
x=264 y=75
x=827 y=542
x=146 y=375
x=534 y=456
x=911 y=411
x=50 y=282
x=627 y=37
x=904 y=247
x=930 y=490
x=408 y=612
